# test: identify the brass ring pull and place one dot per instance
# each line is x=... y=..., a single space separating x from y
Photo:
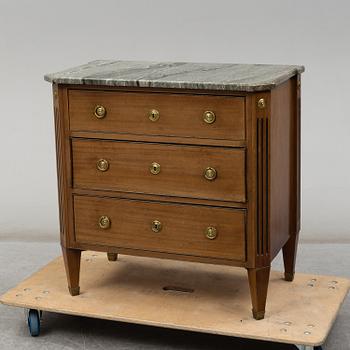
x=211 y=232
x=100 y=111
x=104 y=222
x=153 y=115
x=156 y=226
x=209 y=117
x=102 y=165
x=210 y=173
x=154 y=168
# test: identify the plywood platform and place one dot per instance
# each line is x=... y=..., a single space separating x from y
x=187 y=296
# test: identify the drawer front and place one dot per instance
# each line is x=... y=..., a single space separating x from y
x=179 y=114
x=161 y=227
x=163 y=169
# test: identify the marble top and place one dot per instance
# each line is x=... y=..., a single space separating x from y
x=177 y=75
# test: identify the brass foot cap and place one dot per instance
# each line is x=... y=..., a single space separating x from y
x=288 y=276
x=258 y=315
x=74 y=291
x=112 y=256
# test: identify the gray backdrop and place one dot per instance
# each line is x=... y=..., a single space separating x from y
x=38 y=37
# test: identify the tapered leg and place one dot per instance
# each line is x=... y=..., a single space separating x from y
x=71 y=259
x=258 y=282
x=289 y=257
x=112 y=256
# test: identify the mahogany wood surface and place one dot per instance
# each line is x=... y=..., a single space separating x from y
x=158 y=197
x=254 y=202
x=180 y=115
x=64 y=168
x=71 y=258
x=289 y=256
x=183 y=227
x=154 y=254
x=280 y=165
x=259 y=282
x=156 y=139
x=261 y=133
x=181 y=174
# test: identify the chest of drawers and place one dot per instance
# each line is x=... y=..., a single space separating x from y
x=196 y=162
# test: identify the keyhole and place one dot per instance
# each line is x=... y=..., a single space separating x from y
x=156 y=226
x=154 y=168
x=153 y=115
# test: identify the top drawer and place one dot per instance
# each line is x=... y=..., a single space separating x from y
x=180 y=115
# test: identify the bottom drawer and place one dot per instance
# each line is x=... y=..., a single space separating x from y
x=162 y=227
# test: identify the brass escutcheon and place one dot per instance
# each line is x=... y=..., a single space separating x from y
x=154 y=168
x=211 y=232
x=153 y=115
x=104 y=222
x=102 y=165
x=156 y=226
x=209 y=117
x=100 y=111
x=210 y=173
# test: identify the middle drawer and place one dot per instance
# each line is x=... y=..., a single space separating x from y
x=173 y=170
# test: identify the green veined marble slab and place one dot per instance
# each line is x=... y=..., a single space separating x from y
x=178 y=75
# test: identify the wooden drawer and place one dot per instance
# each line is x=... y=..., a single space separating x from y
x=179 y=114
x=183 y=227
x=181 y=173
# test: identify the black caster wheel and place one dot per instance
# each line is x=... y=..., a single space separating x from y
x=34 y=322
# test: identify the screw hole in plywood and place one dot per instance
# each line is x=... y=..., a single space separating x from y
x=178 y=289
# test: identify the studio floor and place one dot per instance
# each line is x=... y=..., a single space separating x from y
x=20 y=259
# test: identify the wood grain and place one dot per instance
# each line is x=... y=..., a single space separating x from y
x=161 y=198
x=183 y=227
x=97 y=247
x=296 y=156
x=291 y=246
x=71 y=258
x=182 y=169
x=280 y=165
x=180 y=115
x=259 y=181
x=63 y=159
x=156 y=139
x=255 y=197
x=258 y=283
